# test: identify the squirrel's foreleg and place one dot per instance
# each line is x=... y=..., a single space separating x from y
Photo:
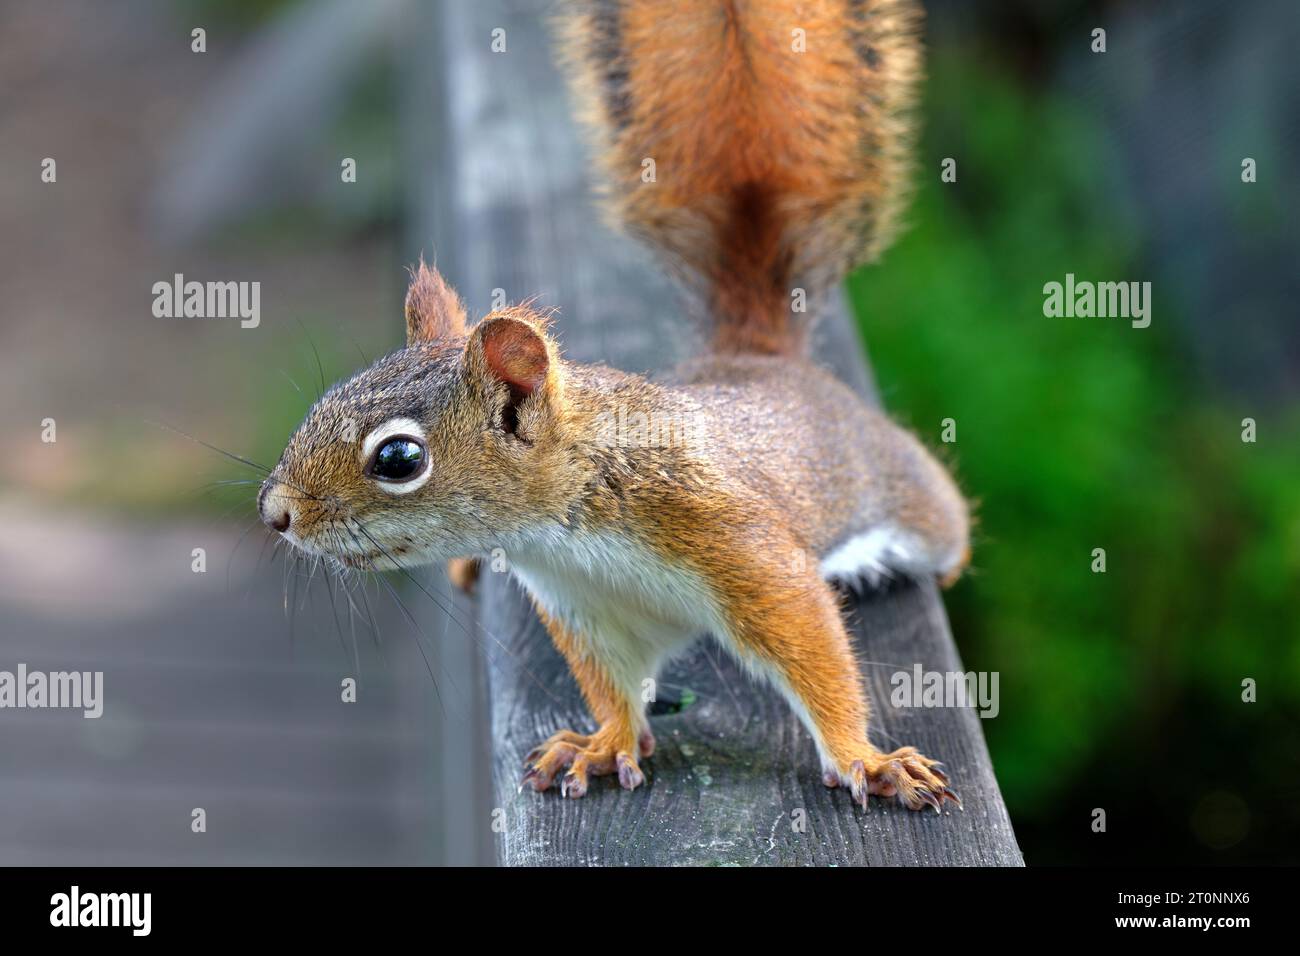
x=788 y=624
x=621 y=734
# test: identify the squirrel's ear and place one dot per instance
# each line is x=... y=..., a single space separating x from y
x=433 y=309
x=514 y=352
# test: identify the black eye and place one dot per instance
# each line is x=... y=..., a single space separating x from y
x=398 y=459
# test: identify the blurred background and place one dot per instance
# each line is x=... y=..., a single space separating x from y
x=1120 y=690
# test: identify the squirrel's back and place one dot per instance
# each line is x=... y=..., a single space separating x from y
x=761 y=146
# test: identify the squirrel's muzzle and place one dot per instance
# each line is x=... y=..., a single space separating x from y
x=275 y=505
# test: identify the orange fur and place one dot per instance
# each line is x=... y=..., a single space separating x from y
x=463 y=574
x=780 y=157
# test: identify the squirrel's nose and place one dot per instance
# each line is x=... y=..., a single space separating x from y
x=273 y=504
x=278 y=521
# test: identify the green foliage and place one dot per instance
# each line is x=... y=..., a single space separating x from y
x=1075 y=434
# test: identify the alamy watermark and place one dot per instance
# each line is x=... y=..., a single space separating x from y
x=621 y=427
x=77 y=690
x=128 y=910
x=1102 y=300
x=922 y=688
x=179 y=299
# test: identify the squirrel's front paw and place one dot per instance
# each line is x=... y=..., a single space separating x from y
x=915 y=779
x=583 y=757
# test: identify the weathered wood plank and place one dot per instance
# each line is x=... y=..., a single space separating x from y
x=734 y=766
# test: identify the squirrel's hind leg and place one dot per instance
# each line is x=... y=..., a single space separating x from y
x=914 y=523
x=886 y=552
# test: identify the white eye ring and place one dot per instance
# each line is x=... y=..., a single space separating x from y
x=381 y=434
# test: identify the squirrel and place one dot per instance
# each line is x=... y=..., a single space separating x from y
x=777 y=169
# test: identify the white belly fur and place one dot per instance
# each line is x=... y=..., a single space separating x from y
x=616 y=593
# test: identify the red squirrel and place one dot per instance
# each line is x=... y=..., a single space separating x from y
x=778 y=165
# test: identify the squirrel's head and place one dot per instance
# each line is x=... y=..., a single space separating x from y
x=453 y=445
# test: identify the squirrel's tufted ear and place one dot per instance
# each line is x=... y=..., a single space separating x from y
x=433 y=309
x=512 y=350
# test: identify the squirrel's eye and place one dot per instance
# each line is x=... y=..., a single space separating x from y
x=398 y=459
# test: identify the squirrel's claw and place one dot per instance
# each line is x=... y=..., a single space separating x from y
x=574 y=784
x=629 y=774
x=534 y=779
x=912 y=777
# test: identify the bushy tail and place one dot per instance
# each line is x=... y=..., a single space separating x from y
x=760 y=145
